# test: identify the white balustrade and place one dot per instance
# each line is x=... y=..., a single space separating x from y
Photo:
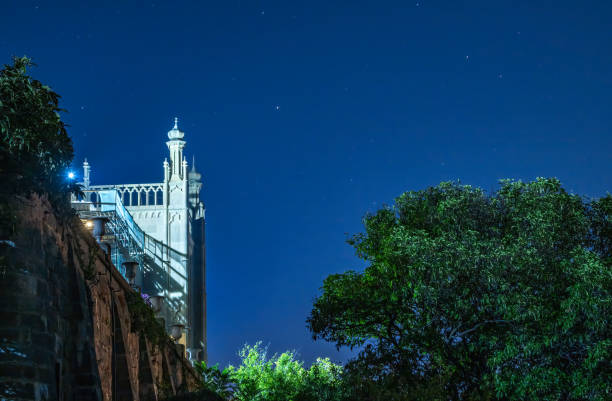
x=134 y=195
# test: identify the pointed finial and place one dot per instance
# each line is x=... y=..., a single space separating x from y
x=175 y=132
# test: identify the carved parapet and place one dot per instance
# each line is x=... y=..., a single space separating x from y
x=136 y=194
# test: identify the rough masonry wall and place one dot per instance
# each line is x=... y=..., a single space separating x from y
x=65 y=325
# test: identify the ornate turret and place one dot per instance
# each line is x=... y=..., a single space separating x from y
x=176 y=145
x=175 y=132
x=177 y=220
x=86 y=171
x=193 y=174
x=166 y=170
x=195 y=185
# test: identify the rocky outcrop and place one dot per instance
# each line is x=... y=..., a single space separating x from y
x=71 y=328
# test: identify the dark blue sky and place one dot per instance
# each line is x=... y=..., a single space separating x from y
x=303 y=116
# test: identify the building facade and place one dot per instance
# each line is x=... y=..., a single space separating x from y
x=173 y=214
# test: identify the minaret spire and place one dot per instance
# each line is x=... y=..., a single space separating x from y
x=176 y=145
x=86 y=171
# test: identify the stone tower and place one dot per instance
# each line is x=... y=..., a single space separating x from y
x=172 y=213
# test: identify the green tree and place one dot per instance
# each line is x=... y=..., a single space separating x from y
x=35 y=149
x=475 y=296
x=322 y=382
x=215 y=380
x=283 y=378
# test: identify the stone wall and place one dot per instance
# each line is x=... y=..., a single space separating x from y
x=66 y=321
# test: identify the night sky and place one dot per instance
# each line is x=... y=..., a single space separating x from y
x=303 y=116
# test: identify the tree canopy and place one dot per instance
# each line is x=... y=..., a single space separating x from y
x=277 y=378
x=35 y=149
x=474 y=296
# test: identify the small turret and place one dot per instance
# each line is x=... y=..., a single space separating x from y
x=193 y=174
x=175 y=132
x=166 y=170
x=195 y=185
x=86 y=171
x=184 y=175
x=176 y=145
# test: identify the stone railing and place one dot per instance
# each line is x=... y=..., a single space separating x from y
x=137 y=194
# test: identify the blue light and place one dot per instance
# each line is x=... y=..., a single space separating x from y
x=71 y=175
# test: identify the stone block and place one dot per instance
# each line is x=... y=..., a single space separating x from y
x=11 y=334
x=15 y=389
x=9 y=318
x=17 y=370
x=42 y=289
x=87 y=394
x=43 y=340
x=42 y=356
x=44 y=374
x=33 y=321
x=53 y=324
x=14 y=282
x=24 y=304
x=14 y=351
x=86 y=379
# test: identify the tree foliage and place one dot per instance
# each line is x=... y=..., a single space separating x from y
x=35 y=149
x=283 y=378
x=475 y=296
x=279 y=378
x=216 y=380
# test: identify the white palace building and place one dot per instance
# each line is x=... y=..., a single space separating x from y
x=169 y=229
